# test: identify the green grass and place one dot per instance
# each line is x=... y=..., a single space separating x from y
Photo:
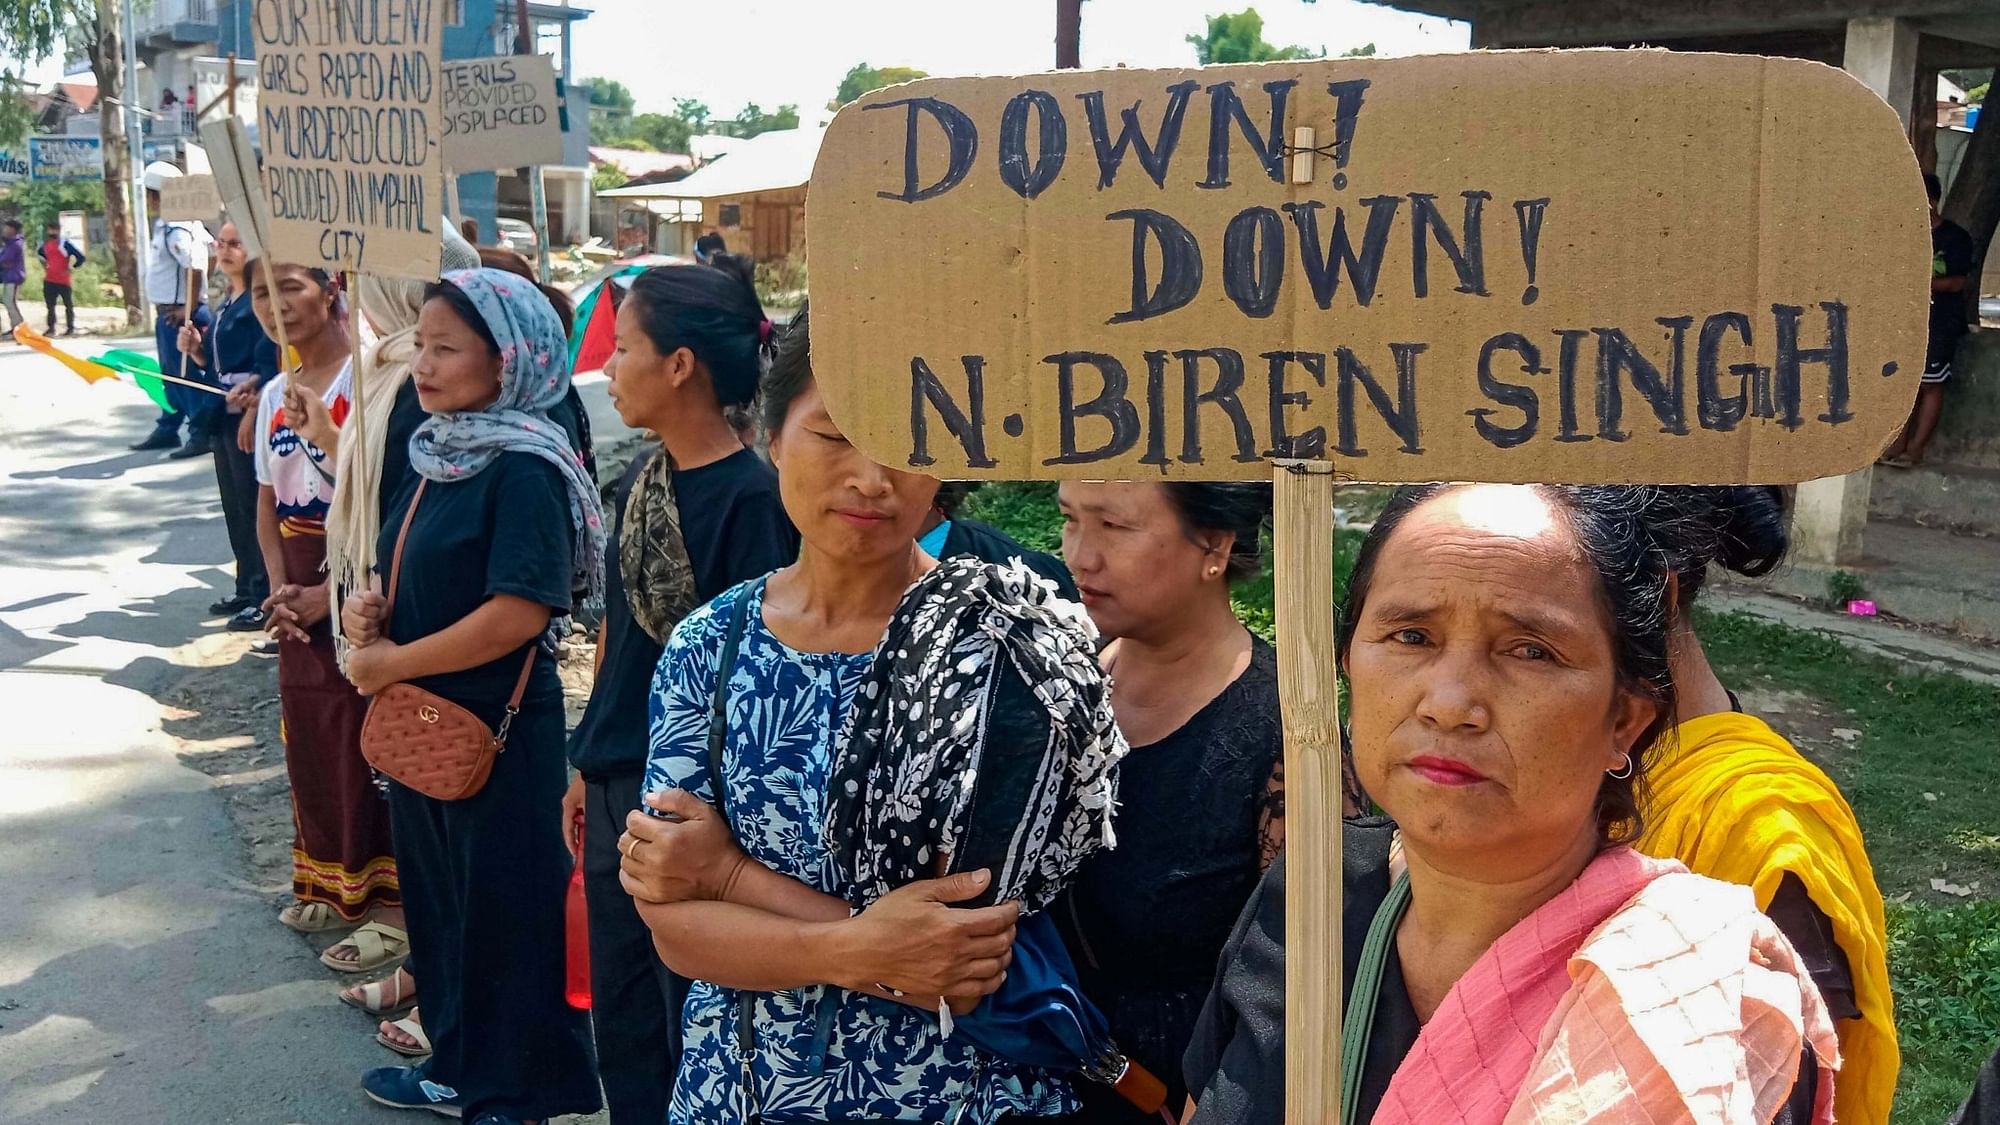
x=1946 y=965
x=94 y=285
x=1921 y=733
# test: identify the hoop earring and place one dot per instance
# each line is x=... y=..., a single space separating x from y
x=1622 y=772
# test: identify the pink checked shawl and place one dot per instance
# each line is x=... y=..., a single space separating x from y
x=1640 y=994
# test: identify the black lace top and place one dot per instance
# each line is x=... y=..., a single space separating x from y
x=1146 y=921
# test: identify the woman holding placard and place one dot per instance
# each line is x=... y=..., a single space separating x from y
x=343 y=868
x=1732 y=799
x=484 y=552
x=803 y=1008
x=1505 y=649
x=243 y=358
x=1201 y=796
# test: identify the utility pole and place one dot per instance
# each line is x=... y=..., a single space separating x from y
x=538 y=198
x=1069 y=34
x=142 y=224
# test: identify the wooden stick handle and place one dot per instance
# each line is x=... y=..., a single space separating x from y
x=187 y=317
x=166 y=378
x=1302 y=502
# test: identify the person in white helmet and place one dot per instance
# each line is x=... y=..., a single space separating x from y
x=176 y=270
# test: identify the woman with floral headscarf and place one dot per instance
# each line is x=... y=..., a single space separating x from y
x=503 y=524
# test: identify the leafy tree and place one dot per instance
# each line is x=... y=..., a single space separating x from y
x=41 y=204
x=863 y=78
x=606 y=176
x=753 y=120
x=30 y=32
x=1239 y=38
x=1365 y=51
x=611 y=109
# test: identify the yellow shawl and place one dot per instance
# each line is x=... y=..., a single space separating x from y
x=1734 y=801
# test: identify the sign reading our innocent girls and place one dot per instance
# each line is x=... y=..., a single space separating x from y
x=347 y=101
x=1578 y=266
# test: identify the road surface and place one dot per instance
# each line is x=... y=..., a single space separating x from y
x=143 y=975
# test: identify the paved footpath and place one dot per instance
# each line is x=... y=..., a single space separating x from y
x=143 y=976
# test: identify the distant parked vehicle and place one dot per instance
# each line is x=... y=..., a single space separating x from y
x=517 y=236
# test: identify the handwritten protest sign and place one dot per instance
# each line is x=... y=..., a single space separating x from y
x=192 y=196
x=1509 y=266
x=501 y=112
x=1581 y=266
x=347 y=96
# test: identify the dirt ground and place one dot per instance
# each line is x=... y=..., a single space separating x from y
x=225 y=716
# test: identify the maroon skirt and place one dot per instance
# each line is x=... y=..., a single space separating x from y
x=341 y=854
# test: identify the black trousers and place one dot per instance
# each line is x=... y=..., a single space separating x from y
x=236 y=480
x=635 y=1001
x=50 y=292
x=483 y=884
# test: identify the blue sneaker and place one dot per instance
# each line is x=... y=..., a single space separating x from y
x=405 y=1087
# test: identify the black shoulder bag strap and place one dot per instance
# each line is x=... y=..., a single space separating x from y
x=718 y=736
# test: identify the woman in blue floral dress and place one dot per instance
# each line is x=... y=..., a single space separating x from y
x=843 y=1009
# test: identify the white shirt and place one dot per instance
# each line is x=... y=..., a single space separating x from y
x=299 y=473
x=176 y=246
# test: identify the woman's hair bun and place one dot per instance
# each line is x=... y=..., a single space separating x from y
x=1754 y=528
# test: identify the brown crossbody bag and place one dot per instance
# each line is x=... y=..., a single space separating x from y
x=424 y=740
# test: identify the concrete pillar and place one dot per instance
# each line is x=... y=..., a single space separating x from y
x=1831 y=515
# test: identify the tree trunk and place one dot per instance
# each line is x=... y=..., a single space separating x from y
x=1069 y=34
x=107 y=51
x=1974 y=202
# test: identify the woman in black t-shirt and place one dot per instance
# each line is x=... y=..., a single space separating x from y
x=502 y=526
x=1201 y=795
x=691 y=519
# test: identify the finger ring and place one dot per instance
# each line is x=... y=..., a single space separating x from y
x=631 y=845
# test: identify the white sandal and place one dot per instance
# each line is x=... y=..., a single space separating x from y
x=412 y=1027
x=383 y=998
x=377 y=944
x=312 y=918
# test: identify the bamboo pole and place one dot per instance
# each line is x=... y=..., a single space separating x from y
x=1302 y=526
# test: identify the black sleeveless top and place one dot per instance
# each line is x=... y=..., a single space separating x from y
x=1146 y=921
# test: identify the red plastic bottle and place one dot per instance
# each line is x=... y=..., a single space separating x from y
x=577 y=927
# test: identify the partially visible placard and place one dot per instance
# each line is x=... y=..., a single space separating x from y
x=233 y=162
x=1586 y=266
x=501 y=112
x=193 y=196
x=347 y=97
x=211 y=89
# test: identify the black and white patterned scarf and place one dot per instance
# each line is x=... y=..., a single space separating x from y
x=982 y=731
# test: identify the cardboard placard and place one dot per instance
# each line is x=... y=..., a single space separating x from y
x=347 y=97
x=211 y=89
x=233 y=162
x=501 y=112
x=1586 y=266
x=194 y=196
